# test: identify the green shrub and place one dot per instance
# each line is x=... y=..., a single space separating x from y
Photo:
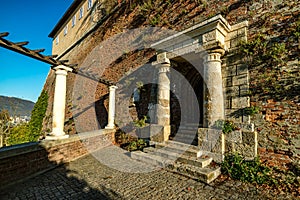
x=19 y=134
x=140 y=144
x=252 y=171
x=140 y=122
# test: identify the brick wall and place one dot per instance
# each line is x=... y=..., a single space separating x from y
x=25 y=160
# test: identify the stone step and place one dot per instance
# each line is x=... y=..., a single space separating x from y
x=151 y=159
x=181 y=145
x=186 y=141
x=189 y=126
x=179 y=157
x=186 y=137
x=207 y=174
x=195 y=167
x=188 y=150
x=188 y=131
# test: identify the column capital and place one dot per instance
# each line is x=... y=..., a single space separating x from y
x=113 y=87
x=63 y=67
x=213 y=55
x=163 y=68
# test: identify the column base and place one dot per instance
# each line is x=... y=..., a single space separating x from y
x=167 y=132
x=110 y=127
x=56 y=137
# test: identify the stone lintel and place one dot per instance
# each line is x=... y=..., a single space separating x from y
x=207 y=33
x=240 y=25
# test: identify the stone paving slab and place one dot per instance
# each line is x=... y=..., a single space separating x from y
x=87 y=178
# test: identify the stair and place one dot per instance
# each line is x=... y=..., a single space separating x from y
x=181 y=158
x=186 y=136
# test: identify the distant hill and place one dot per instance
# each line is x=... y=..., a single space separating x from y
x=16 y=106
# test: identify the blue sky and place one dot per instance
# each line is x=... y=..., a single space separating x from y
x=30 y=20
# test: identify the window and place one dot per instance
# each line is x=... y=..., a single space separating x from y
x=81 y=12
x=74 y=20
x=57 y=40
x=66 y=30
x=90 y=3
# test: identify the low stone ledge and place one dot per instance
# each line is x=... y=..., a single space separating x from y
x=15 y=150
x=19 y=162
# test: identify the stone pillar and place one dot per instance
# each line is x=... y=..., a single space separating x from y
x=59 y=103
x=214 y=99
x=163 y=98
x=111 y=107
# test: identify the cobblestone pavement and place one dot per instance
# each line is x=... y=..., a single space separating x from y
x=87 y=178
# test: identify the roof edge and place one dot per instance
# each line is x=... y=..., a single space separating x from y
x=65 y=17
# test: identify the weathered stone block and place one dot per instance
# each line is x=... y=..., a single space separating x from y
x=204 y=145
x=156 y=132
x=240 y=79
x=231 y=115
x=210 y=36
x=246 y=118
x=249 y=138
x=229 y=147
x=247 y=127
x=228 y=103
x=246 y=150
x=213 y=134
x=234 y=42
x=202 y=133
x=228 y=82
x=242 y=32
x=233 y=34
x=232 y=91
x=242 y=69
x=217 y=145
x=235 y=136
x=231 y=70
x=244 y=90
x=240 y=102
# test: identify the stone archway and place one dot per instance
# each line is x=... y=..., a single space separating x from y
x=203 y=45
x=197 y=53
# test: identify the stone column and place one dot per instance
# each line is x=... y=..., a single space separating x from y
x=163 y=98
x=59 y=103
x=214 y=99
x=111 y=107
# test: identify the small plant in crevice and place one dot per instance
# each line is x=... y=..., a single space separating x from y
x=252 y=110
x=227 y=126
x=147 y=6
x=155 y=20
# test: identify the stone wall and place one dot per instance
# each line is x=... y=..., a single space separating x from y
x=274 y=92
x=22 y=161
